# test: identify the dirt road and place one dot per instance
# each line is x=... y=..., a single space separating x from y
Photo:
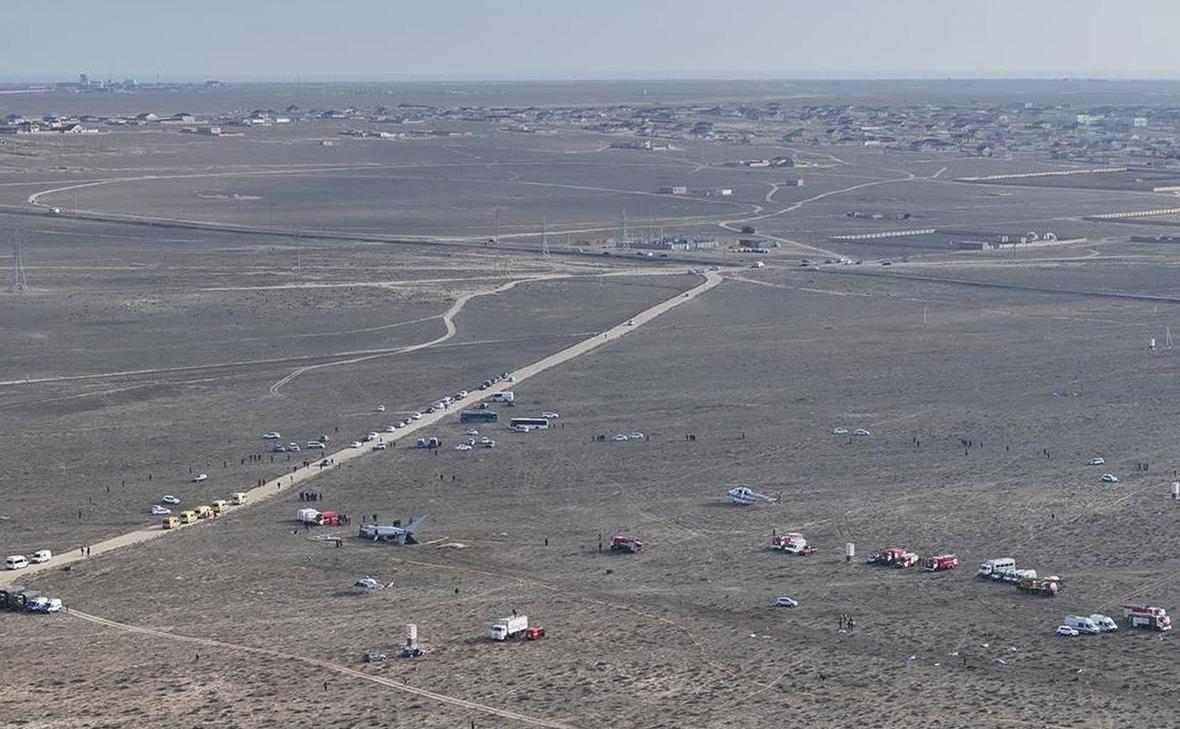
x=304 y=474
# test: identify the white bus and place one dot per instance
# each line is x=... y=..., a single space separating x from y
x=529 y=423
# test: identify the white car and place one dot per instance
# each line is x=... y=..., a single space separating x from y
x=862 y=432
x=371 y=435
x=390 y=428
x=473 y=432
x=15 y=562
x=169 y=500
x=356 y=444
x=158 y=510
x=293 y=447
x=462 y=394
x=272 y=435
x=636 y=436
x=463 y=447
x=1097 y=462
x=378 y=446
x=41 y=556
x=620 y=437
x=550 y=414
x=416 y=416
x=315 y=444
x=786 y=602
x=200 y=477
x=380 y=408
x=1109 y=478
x=839 y=431
x=1066 y=631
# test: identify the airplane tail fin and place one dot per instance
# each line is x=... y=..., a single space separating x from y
x=407 y=535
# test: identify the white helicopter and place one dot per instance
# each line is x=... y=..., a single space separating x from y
x=744 y=496
x=401 y=535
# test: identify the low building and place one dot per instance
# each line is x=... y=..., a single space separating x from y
x=669 y=243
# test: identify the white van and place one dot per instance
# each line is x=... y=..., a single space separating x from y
x=505 y=396
x=996 y=565
x=16 y=562
x=41 y=556
x=1105 y=623
x=1082 y=624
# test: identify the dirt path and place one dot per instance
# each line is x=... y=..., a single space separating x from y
x=448 y=318
x=304 y=474
x=329 y=666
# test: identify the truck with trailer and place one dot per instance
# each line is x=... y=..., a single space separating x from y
x=1147 y=616
x=511 y=627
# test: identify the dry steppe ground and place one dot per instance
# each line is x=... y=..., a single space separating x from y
x=148 y=350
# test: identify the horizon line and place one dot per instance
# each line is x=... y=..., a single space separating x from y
x=604 y=77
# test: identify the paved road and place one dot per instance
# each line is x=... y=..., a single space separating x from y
x=302 y=475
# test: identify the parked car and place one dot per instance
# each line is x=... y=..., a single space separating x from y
x=315 y=444
x=786 y=602
x=862 y=432
x=839 y=431
x=279 y=448
x=1066 y=631
x=373 y=657
x=271 y=435
x=463 y=447
x=197 y=478
x=158 y=510
x=16 y=562
x=550 y=414
x=378 y=446
x=170 y=500
x=41 y=556
x=1109 y=478
x=1097 y=462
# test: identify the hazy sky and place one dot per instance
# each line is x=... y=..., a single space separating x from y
x=354 y=39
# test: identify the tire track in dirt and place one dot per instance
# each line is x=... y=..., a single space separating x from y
x=329 y=666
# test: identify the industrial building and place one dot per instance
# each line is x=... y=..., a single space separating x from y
x=669 y=243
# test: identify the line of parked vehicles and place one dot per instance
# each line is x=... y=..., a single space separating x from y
x=1147 y=617
x=197 y=513
x=20 y=561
